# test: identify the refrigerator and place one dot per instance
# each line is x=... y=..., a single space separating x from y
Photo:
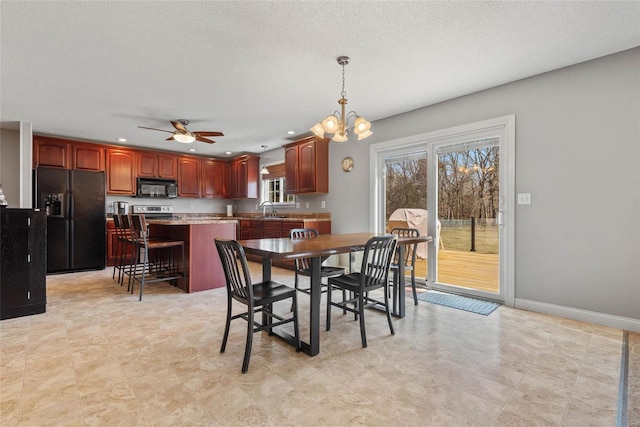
x=74 y=204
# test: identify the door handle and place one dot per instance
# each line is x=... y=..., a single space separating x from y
x=500 y=219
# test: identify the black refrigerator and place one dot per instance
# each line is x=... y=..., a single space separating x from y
x=74 y=203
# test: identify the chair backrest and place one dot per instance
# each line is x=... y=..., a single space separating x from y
x=376 y=260
x=301 y=234
x=116 y=222
x=410 y=253
x=138 y=227
x=236 y=271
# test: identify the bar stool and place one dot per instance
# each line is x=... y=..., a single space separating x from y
x=153 y=260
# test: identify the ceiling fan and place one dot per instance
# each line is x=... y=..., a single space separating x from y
x=182 y=134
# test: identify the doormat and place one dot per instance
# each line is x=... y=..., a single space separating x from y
x=461 y=303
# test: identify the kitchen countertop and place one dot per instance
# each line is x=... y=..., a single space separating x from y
x=200 y=219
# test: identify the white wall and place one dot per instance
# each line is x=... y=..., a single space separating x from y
x=10 y=166
x=577 y=153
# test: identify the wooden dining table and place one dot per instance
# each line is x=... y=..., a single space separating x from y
x=284 y=249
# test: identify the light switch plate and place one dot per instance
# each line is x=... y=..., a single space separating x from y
x=524 y=198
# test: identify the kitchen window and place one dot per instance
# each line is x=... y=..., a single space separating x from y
x=273 y=187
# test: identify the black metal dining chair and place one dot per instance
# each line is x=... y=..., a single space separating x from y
x=303 y=265
x=409 y=265
x=258 y=297
x=373 y=274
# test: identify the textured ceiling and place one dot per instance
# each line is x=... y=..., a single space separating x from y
x=254 y=70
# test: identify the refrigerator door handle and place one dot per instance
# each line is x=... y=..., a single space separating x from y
x=70 y=206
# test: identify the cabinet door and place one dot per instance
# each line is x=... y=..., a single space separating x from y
x=231 y=191
x=88 y=157
x=307 y=168
x=241 y=178
x=188 y=177
x=147 y=164
x=212 y=178
x=120 y=172
x=291 y=169
x=167 y=166
x=51 y=152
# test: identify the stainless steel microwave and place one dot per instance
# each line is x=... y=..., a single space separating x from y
x=157 y=188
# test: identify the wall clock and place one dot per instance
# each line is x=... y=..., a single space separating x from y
x=347 y=164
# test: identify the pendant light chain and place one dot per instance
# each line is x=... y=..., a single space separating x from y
x=343 y=93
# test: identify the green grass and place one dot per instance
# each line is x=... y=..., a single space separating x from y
x=459 y=238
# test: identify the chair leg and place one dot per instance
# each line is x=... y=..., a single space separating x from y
x=363 y=333
x=295 y=285
x=329 y=289
x=144 y=271
x=247 y=348
x=226 y=326
x=386 y=309
x=413 y=285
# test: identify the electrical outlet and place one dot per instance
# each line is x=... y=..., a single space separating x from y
x=307 y=205
x=297 y=205
x=524 y=198
x=323 y=204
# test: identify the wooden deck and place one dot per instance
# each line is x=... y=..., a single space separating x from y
x=468 y=269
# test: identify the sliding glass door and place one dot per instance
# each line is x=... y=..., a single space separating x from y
x=455 y=185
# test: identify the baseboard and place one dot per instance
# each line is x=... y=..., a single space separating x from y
x=619 y=322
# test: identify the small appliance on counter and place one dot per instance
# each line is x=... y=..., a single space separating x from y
x=153 y=211
x=121 y=208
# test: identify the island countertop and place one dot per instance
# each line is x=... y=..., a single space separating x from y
x=191 y=221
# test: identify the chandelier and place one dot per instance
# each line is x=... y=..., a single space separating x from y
x=340 y=123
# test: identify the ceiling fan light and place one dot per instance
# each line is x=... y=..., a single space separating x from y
x=364 y=135
x=361 y=125
x=331 y=124
x=264 y=170
x=185 y=138
x=318 y=130
x=340 y=137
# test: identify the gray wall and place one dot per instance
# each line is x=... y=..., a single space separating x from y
x=577 y=153
x=10 y=166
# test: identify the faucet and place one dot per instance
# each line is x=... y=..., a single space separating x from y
x=264 y=208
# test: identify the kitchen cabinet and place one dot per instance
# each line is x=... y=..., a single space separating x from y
x=188 y=177
x=121 y=166
x=307 y=166
x=154 y=165
x=87 y=157
x=51 y=152
x=213 y=178
x=243 y=178
x=67 y=154
x=23 y=244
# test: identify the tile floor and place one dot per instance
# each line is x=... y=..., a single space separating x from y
x=100 y=357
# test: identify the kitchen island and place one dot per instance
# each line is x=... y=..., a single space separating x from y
x=204 y=268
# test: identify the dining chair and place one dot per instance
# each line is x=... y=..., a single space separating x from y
x=409 y=264
x=258 y=297
x=303 y=265
x=373 y=274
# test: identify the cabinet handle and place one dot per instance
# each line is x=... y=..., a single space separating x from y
x=28 y=294
x=28 y=257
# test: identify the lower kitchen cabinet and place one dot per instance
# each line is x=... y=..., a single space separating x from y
x=23 y=266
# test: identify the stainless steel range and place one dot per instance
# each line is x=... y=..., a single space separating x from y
x=153 y=211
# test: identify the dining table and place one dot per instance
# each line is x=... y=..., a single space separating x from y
x=286 y=249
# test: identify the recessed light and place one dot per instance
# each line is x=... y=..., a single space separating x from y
x=193 y=150
x=228 y=152
x=290 y=132
x=122 y=139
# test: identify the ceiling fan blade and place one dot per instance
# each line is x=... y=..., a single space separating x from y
x=203 y=139
x=179 y=126
x=204 y=133
x=161 y=130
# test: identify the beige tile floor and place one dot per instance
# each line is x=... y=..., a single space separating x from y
x=100 y=357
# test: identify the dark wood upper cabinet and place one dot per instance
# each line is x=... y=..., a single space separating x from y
x=243 y=178
x=188 y=177
x=307 y=166
x=51 y=152
x=88 y=157
x=121 y=166
x=154 y=165
x=213 y=178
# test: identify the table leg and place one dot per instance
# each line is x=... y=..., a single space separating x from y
x=314 y=320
